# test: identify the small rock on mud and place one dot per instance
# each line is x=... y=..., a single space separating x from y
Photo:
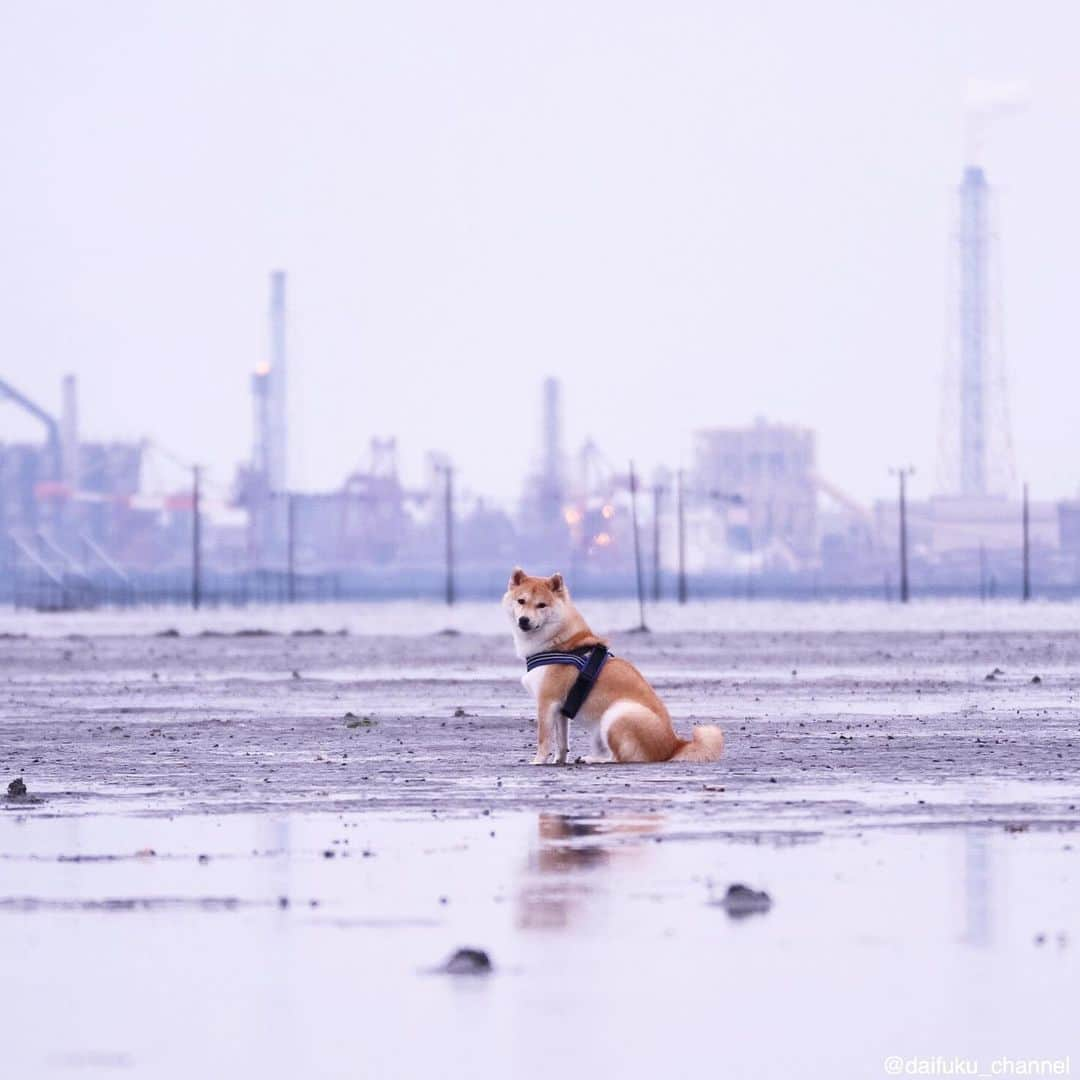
x=740 y=901
x=467 y=962
x=17 y=788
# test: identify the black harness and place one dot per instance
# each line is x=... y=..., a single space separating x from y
x=589 y=660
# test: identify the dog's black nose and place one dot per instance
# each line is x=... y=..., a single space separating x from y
x=523 y=622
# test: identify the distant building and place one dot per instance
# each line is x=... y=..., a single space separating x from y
x=94 y=507
x=771 y=469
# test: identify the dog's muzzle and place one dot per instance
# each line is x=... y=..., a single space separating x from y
x=523 y=623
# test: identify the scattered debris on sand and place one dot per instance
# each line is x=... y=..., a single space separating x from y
x=467 y=961
x=18 y=795
x=354 y=721
x=740 y=901
x=1036 y=678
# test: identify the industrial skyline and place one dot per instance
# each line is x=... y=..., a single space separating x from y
x=752 y=498
x=759 y=226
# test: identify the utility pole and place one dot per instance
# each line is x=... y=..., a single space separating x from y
x=637 y=549
x=657 y=495
x=290 y=543
x=1026 y=593
x=196 y=539
x=682 y=537
x=903 y=472
x=982 y=572
x=448 y=471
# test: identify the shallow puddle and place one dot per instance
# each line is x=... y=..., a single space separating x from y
x=303 y=944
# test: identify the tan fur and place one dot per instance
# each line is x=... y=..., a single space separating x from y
x=639 y=728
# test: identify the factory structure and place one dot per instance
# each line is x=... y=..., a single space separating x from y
x=262 y=484
x=747 y=505
x=973 y=516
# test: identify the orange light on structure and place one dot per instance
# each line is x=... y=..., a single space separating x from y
x=571 y=515
x=602 y=539
x=51 y=489
x=608 y=512
x=262 y=368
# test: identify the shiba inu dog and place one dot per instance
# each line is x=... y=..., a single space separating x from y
x=629 y=722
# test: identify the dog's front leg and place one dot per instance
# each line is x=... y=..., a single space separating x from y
x=562 y=743
x=546 y=733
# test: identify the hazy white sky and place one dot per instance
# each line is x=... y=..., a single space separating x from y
x=692 y=212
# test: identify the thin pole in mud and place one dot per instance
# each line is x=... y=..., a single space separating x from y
x=449 y=529
x=982 y=572
x=682 y=538
x=637 y=548
x=657 y=495
x=903 y=473
x=1026 y=590
x=290 y=525
x=196 y=539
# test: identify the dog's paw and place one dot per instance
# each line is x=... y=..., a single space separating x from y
x=538 y=760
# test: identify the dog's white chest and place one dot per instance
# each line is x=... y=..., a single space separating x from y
x=533 y=680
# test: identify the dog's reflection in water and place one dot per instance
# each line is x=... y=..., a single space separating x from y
x=557 y=880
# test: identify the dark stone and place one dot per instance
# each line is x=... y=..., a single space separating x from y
x=468 y=962
x=17 y=788
x=740 y=901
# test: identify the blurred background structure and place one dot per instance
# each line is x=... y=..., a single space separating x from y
x=562 y=268
x=87 y=523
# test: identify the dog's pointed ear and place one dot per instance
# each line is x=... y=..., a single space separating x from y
x=556 y=583
x=517 y=577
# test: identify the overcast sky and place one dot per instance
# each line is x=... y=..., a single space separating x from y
x=695 y=213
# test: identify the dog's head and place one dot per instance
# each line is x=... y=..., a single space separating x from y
x=537 y=607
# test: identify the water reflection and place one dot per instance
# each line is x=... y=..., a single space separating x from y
x=978 y=928
x=559 y=876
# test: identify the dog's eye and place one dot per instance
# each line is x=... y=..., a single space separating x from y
x=521 y=601
x=541 y=605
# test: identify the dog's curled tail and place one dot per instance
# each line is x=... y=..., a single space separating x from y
x=706 y=744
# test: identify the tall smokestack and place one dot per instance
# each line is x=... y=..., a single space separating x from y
x=974 y=330
x=69 y=434
x=277 y=441
x=976 y=458
x=552 y=461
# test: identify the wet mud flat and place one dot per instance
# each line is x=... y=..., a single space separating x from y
x=441 y=723
x=250 y=852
